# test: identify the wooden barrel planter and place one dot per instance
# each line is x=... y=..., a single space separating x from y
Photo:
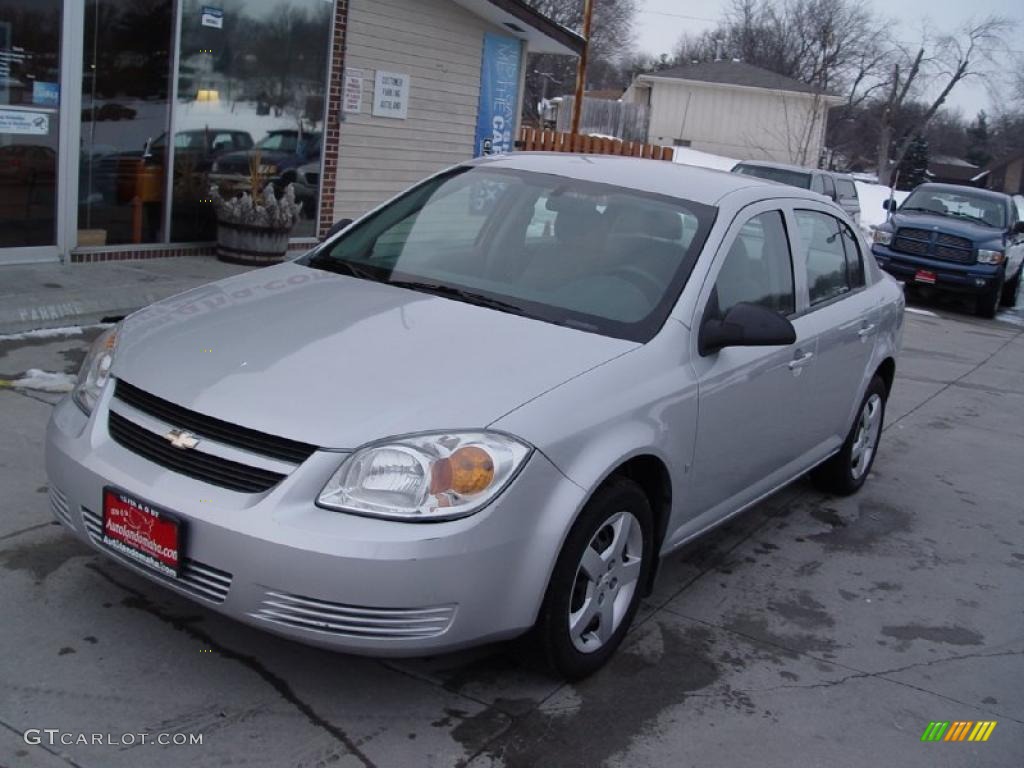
x=251 y=245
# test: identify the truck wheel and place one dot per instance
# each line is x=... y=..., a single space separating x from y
x=846 y=472
x=987 y=303
x=1009 y=298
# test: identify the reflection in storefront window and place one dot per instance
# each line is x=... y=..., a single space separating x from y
x=29 y=102
x=252 y=78
x=125 y=86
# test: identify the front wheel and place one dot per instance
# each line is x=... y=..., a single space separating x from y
x=846 y=472
x=987 y=303
x=598 y=580
x=1009 y=298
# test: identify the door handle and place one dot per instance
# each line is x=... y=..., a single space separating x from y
x=799 y=362
x=866 y=330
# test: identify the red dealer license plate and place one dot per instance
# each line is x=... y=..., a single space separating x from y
x=924 y=276
x=141 y=532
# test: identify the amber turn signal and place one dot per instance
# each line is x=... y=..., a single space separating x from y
x=468 y=470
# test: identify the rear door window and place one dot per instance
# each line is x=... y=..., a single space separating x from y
x=822 y=242
x=847 y=189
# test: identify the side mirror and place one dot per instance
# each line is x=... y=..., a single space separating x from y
x=745 y=325
x=1018 y=228
x=339 y=225
x=888 y=204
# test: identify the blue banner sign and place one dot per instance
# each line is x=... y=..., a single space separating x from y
x=499 y=95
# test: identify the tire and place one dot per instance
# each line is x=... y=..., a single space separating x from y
x=1009 y=297
x=618 y=518
x=987 y=303
x=846 y=472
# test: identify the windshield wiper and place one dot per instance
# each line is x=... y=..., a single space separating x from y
x=932 y=211
x=341 y=267
x=470 y=297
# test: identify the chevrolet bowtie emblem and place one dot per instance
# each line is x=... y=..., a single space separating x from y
x=179 y=438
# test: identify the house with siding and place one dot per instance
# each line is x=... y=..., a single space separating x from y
x=734 y=109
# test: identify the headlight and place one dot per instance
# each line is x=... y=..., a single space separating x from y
x=990 y=257
x=426 y=477
x=881 y=236
x=96 y=370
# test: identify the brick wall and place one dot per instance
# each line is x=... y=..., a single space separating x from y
x=332 y=127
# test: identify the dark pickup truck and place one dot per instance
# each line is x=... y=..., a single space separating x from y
x=955 y=238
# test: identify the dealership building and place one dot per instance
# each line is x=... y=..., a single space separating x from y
x=118 y=116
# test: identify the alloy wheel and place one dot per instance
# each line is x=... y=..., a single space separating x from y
x=869 y=427
x=606 y=580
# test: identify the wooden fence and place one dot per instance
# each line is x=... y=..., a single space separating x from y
x=534 y=140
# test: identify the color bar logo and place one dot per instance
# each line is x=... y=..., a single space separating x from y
x=958 y=730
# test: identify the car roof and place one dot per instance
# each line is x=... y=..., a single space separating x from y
x=687 y=182
x=964 y=189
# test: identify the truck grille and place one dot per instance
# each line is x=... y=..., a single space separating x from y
x=197 y=579
x=280 y=448
x=934 y=245
x=201 y=466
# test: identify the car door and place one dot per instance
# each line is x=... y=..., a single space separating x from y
x=750 y=432
x=1014 y=244
x=842 y=314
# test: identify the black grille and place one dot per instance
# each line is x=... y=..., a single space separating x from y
x=193 y=463
x=206 y=426
x=936 y=245
x=906 y=245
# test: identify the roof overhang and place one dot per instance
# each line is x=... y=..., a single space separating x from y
x=827 y=98
x=517 y=19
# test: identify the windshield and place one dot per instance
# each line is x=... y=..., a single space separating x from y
x=781 y=175
x=980 y=209
x=280 y=142
x=592 y=256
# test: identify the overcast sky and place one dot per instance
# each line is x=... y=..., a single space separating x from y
x=660 y=23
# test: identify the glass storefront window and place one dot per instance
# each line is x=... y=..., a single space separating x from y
x=30 y=35
x=125 y=89
x=251 y=84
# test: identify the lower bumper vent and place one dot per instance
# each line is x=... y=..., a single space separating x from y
x=352 y=621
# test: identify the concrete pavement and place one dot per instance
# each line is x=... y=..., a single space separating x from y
x=55 y=295
x=811 y=631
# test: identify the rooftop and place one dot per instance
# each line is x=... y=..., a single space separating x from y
x=731 y=72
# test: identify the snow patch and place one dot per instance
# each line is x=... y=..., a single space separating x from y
x=45 y=381
x=51 y=333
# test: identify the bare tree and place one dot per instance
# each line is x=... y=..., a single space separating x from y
x=611 y=46
x=941 y=66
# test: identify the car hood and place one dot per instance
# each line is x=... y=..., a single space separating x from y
x=338 y=362
x=947 y=224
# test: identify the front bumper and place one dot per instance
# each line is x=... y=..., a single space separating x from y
x=961 y=278
x=276 y=561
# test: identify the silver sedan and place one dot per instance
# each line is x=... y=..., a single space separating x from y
x=486 y=408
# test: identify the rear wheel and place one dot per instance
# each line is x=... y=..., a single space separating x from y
x=1009 y=298
x=846 y=472
x=597 y=581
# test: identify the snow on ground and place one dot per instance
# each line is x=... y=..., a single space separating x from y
x=51 y=333
x=43 y=381
x=871 y=198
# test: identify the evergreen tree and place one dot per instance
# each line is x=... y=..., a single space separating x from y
x=914 y=168
x=979 y=148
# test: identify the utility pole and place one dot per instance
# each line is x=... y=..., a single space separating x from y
x=581 y=67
